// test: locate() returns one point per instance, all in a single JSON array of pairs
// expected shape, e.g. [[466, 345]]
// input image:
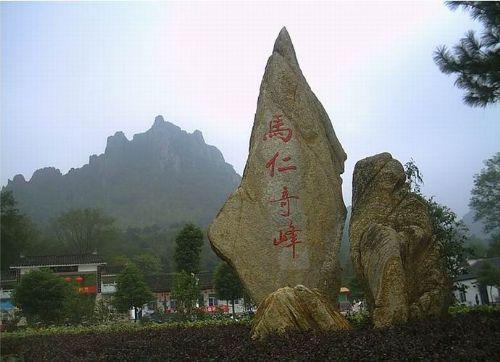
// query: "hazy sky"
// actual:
[[74, 73]]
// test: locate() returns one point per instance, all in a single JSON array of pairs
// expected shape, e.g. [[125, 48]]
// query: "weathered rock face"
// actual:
[[393, 250], [282, 226], [296, 309]]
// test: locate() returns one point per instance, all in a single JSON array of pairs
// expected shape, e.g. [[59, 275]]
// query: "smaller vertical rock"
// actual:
[[393, 248]]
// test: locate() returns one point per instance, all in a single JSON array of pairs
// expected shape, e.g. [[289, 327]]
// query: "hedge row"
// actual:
[[117, 327], [472, 336]]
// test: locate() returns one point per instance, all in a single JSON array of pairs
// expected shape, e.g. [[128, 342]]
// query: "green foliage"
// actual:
[[489, 274], [485, 198], [103, 313], [148, 263], [17, 231], [186, 292], [84, 230], [117, 327], [413, 176], [465, 309], [79, 308], [43, 297], [227, 283], [450, 232], [476, 248], [153, 239], [475, 61], [494, 248], [360, 320], [132, 291], [187, 250]]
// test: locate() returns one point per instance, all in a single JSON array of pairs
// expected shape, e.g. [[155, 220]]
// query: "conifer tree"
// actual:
[[476, 61]]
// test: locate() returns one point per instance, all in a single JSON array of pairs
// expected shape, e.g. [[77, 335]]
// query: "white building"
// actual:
[[474, 293]]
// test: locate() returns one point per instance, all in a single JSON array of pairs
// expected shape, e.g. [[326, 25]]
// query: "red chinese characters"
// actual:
[[289, 234], [271, 165], [289, 237], [276, 129], [284, 202]]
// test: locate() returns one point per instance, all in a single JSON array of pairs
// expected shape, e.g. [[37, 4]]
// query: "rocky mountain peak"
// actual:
[[199, 136], [162, 176], [159, 121], [18, 180], [46, 174], [118, 140]]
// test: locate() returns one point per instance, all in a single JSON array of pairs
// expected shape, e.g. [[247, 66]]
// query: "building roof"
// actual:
[[58, 260], [475, 266]]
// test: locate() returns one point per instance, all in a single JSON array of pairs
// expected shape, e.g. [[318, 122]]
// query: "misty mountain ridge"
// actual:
[[163, 176], [476, 228]]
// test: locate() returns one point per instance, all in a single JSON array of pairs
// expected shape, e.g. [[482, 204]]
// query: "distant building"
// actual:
[[343, 300], [475, 293], [162, 285], [84, 270]]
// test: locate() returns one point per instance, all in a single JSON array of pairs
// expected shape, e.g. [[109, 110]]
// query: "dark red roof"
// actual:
[[52, 260]]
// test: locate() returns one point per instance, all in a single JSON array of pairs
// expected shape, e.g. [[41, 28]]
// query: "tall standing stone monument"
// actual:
[[282, 226]]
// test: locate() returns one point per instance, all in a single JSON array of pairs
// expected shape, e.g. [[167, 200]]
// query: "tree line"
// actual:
[[82, 231], [85, 230], [45, 298]]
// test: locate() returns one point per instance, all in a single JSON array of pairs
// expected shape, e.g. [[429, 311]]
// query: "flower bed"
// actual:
[[471, 336]]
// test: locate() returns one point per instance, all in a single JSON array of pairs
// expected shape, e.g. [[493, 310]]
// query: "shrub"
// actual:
[[361, 319], [483, 309], [43, 297], [463, 337]]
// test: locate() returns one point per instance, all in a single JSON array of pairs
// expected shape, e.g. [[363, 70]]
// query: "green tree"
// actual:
[[78, 307], [476, 247], [131, 289], [148, 263], [413, 176], [494, 247], [187, 249], [17, 231], [475, 61], [154, 240], [450, 232], [489, 275], [186, 292], [85, 230], [43, 297], [227, 283], [485, 198]]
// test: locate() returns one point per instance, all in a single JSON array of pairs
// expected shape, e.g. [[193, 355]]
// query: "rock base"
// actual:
[[296, 309]]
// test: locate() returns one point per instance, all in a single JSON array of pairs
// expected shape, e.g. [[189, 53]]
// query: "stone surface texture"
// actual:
[[283, 225], [296, 309], [394, 252]]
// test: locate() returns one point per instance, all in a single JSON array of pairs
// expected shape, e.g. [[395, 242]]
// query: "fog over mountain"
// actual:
[[476, 228], [163, 176]]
